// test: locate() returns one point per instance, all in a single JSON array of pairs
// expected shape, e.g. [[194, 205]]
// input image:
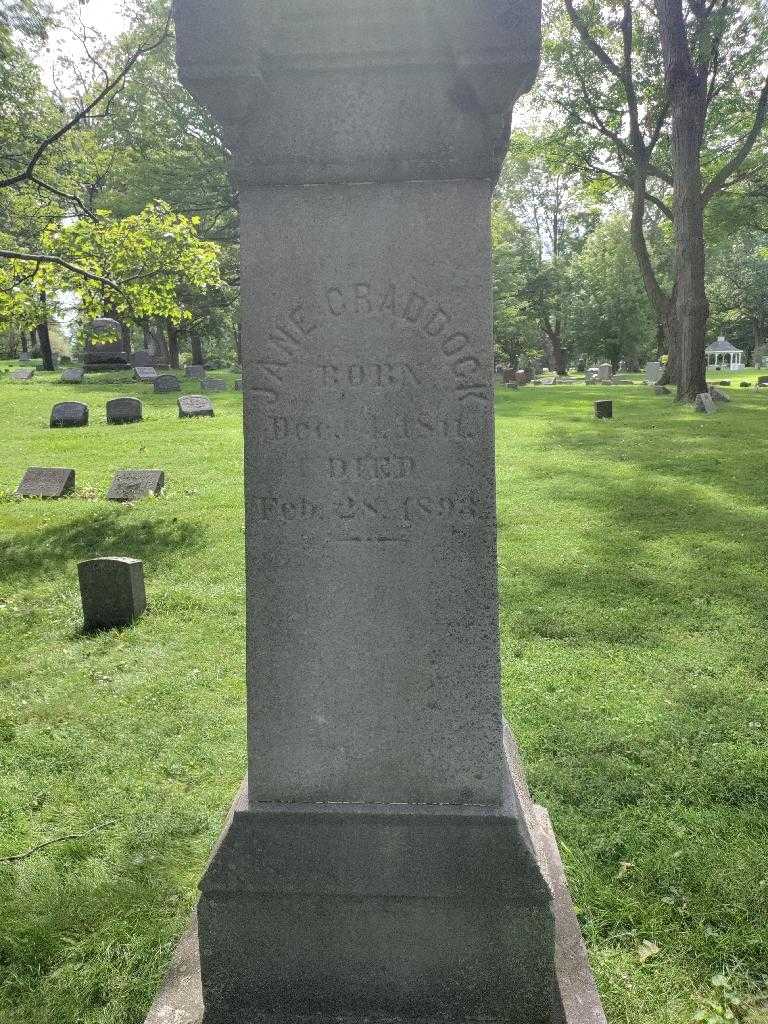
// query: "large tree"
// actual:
[[668, 100]]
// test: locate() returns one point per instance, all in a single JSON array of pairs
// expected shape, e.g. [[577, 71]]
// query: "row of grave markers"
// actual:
[[127, 485], [121, 411]]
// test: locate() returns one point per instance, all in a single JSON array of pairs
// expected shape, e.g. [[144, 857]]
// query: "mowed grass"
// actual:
[[634, 621]]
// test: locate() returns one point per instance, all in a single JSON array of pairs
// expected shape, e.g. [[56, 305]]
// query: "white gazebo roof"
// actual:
[[721, 345]]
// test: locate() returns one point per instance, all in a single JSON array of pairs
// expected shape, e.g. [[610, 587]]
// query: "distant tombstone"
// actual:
[[660, 390], [124, 410], [718, 395], [238, 385], [145, 374], [604, 410], [604, 372], [724, 383], [704, 403], [653, 372], [213, 384], [195, 370], [135, 484], [46, 483], [112, 592], [165, 383], [22, 375], [592, 375], [622, 366], [142, 358], [509, 375], [74, 375], [69, 414], [745, 384], [523, 377], [762, 382], [25, 357], [104, 347], [194, 405]]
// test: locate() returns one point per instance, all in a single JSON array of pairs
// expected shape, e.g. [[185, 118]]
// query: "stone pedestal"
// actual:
[[383, 862]]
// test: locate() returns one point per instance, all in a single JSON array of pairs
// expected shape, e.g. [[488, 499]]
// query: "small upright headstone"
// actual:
[[704, 403], [22, 375], [653, 372], [745, 384], [142, 358], [145, 374], [124, 410], [604, 372], [112, 591], [213, 384], [194, 405], [69, 414], [74, 375], [46, 483], [196, 371], [135, 484], [523, 377], [165, 383], [604, 410], [718, 395]]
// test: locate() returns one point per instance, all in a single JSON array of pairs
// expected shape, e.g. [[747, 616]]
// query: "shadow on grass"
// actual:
[[108, 534]]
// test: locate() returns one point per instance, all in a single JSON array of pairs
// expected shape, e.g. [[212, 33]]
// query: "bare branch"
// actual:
[[40, 258], [51, 842], [591, 43]]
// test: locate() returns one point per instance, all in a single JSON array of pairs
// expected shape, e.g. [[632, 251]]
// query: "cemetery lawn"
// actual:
[[634, 620]]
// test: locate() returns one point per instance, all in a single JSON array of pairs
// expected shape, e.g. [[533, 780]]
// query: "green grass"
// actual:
[[634, 621]]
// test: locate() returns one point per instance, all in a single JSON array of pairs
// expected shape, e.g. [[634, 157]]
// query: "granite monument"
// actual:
[[69, 414], [46, 483], [385, 859], [112, 592]]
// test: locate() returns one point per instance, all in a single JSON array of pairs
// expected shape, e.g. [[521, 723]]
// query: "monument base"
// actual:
[[576, 1000]]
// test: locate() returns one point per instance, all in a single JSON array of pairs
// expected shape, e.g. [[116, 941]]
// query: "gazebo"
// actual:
[[722, 355]]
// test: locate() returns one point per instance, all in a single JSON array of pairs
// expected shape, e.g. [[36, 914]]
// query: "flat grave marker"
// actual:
[[166, 383], [213, 384], [135, 484], [124, 410], [69, 414], [195, 370], [73, 375], [22, 376], [46, 483], [191, 406], [145, 374]]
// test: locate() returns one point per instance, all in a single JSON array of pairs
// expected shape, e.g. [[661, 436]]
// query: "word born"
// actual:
[[371, 375]]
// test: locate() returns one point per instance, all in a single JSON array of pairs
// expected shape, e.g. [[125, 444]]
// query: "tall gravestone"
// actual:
[[386, 860]]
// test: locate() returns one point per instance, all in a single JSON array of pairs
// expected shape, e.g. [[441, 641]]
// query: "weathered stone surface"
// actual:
[[124, 410], [112, 591], [213, 384], [653, 372], [592, 375], [180, 1000], [73, 375], [194, 405], [604, 410], [167, 382], [146, 374], [142, 358], [604, 372], [22, 375], [660, 390], [704, 403], [46, 483], [69, 414], [24, 358], [718, 395], [396, 872], [195, 370], [135, 484]]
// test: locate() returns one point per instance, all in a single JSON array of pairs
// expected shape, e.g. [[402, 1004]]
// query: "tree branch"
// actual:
[[40, 258], [720, 179], [51, 842], [591, 43]]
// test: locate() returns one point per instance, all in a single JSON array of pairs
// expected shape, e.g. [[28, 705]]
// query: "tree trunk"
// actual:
[[173, 345], [125, 332], [198, 356], [687, 91], [239, 344], [44, 337], [24, 339]]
